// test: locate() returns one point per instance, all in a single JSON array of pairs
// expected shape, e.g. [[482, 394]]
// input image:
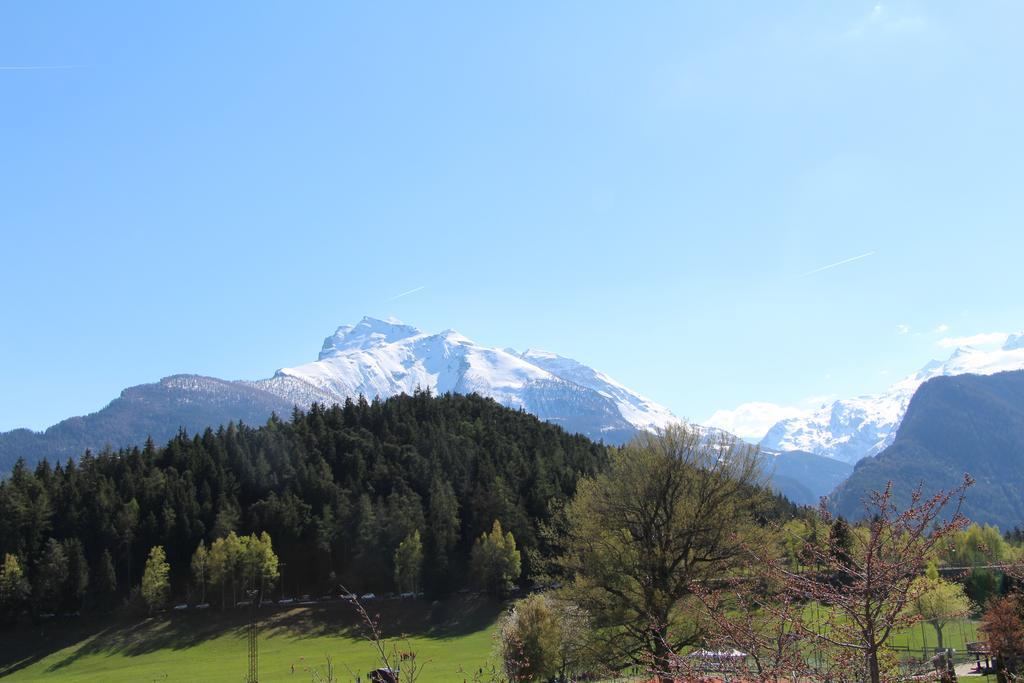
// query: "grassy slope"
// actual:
[[213, 647]]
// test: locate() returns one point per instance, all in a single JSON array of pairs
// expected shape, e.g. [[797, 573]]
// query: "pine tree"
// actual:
[[442, 529], [103, 582], [77, 581], [51, 572]]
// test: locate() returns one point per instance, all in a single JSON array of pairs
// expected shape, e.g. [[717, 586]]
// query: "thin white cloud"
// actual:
[[882, 19], [983, 339], [902, 329], [752, 420], [411, 291], [941, 329], [839, 263]]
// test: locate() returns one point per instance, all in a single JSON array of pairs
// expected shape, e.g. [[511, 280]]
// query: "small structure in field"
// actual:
[[384, 676], [980, 649], [719, 661]]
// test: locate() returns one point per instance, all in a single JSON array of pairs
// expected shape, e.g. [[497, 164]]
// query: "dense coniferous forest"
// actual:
[[337, 489]]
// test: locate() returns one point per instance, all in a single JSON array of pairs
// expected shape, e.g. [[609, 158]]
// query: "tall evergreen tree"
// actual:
[[50, 574]]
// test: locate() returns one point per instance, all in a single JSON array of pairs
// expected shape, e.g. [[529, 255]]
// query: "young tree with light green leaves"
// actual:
[[258, 565], [244, 562], [223, 561], [938, 602], [495, 561], [544, 638], [14, 585], [200, 566], [409, 564], [156, 585]]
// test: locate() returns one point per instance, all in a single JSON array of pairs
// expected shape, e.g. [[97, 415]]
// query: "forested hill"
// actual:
[[337, 489], [158, 410], [953, 425]]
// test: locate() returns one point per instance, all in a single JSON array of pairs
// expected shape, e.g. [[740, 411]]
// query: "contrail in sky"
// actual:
[[41, 68], [411, 291], [838, 263]]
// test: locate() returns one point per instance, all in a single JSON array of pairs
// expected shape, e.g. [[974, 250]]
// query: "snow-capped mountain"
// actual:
[[381, 358], [855, 428]]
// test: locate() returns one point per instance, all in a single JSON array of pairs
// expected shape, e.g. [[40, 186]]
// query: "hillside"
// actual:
[[157, 410], [373, 358], [804, 477], [337, 489], [953, 425], [853, 428]]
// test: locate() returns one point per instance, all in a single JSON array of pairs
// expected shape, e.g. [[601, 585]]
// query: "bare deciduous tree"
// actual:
[[867, 587]]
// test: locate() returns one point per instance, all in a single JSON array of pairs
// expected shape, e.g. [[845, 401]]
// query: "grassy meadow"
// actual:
[[213, 647], [449, 637]]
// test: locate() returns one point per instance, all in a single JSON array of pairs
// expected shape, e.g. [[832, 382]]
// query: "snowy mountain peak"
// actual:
[[855, 428], [366, 333], [537, 353], [1014, 342], [961, 351], [381, 358]]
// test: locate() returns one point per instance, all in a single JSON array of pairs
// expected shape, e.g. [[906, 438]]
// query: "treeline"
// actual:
[[337, 489]]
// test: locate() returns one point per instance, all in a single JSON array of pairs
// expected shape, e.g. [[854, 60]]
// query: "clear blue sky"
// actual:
[[215, 187]]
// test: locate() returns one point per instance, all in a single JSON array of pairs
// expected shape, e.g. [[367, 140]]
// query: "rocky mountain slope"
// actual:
[[155, 410], [373, 358], [953, 425], [856, 428]]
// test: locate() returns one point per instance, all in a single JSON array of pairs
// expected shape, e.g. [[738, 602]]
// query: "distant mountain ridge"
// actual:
[[856, 428], [156, 410], [373, 358], [386, 357], [953, 425], [804, 478]]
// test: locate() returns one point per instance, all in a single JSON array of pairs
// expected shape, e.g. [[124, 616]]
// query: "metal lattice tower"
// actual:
[[254, 651]]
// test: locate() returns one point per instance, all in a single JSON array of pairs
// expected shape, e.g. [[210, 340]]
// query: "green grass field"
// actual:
[[213, 647], [210, 646], [955, 634]]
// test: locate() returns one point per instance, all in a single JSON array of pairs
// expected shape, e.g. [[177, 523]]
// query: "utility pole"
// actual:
[[254, 652]]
